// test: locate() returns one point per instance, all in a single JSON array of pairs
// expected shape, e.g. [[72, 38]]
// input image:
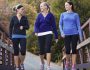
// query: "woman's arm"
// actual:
[[79, 27], [36, 25], [11, 28], [27, 24], [53, 23], [61, 25]]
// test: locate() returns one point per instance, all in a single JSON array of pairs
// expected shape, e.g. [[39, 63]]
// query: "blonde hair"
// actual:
[[46, 4]]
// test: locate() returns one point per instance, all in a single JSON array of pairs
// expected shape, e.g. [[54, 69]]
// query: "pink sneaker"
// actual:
[[73, 67], [41, 66], [67, 66]]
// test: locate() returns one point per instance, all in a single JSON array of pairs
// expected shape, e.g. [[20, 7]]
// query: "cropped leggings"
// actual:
[[71, 43], [19, 45], [45, 43]]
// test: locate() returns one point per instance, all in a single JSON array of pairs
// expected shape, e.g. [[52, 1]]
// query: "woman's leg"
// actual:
[[16, 60], [22, 58], [73, 59], [75, 39], [42, 59], [22, 49], [48, 43], [23, 52], [41, 42], [67, 41], [48, 56], [16, 52]]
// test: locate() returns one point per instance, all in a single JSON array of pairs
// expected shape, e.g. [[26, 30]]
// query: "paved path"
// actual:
[[32, 62]]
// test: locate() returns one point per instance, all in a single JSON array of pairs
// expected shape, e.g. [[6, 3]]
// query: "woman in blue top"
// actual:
[[71, 31], [45, 26], [18, 26]]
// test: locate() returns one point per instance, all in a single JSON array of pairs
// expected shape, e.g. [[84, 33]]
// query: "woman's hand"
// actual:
[[81, 39], [62, 35], [21, 27], [36, 34], [56, 40]]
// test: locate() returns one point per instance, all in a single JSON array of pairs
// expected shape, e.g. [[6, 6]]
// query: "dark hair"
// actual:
[[17, 7], [20, 6], [71, 3]]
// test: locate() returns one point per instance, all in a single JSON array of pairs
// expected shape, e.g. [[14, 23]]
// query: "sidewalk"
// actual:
[[32, 62]]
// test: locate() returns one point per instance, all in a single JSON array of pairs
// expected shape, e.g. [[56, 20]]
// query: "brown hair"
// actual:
[[71, 3], [17, 7]]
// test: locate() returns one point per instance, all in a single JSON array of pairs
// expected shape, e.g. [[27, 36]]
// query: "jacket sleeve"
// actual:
[[36, 25], [26, 26], [53, 24], [79, 27], [11, 28], [61, 24]]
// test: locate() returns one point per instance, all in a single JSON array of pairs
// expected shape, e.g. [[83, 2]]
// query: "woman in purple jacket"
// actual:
[[45, 26]]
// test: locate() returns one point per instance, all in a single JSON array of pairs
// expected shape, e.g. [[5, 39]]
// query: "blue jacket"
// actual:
[[44, 24]]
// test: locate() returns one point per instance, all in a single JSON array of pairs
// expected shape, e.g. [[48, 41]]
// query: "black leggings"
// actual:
[[19, 42], [71, 43], [45, 43]]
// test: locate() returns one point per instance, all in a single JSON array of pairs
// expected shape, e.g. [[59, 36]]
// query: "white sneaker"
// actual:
[[41, 66], [17, 69], [22, 66], [48, 68]]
